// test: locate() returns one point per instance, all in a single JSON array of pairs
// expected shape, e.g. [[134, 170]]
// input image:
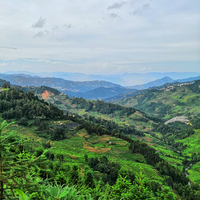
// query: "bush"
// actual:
[[24, 121]]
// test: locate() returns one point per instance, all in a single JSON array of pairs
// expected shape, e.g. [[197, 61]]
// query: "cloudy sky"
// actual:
[[100, 36]]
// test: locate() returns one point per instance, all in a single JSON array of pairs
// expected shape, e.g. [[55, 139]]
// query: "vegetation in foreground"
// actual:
[[108, 177]]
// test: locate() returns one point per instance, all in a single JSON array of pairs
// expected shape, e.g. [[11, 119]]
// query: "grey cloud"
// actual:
[[114, 15], [116, 6], [145, 6], [55, 28], [67, 25], [136, 12], [3, 47], [140, 10], [40, 23], [41, 34], [61, 28]]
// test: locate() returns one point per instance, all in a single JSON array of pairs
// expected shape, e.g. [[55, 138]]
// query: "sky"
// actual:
[[100, 36]]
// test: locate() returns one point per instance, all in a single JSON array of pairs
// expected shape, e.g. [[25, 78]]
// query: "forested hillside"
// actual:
[[75, 146], [120, 114], [167, 102], [2, 82], [16, 104]]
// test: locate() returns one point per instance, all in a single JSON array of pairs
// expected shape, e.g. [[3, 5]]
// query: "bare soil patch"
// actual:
[[87, 146]]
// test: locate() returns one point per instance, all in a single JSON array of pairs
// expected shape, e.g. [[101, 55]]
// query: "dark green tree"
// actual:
[[24, 121], [89, 178], [74, 177]]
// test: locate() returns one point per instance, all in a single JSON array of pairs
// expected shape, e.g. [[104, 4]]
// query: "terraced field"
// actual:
[[81, 143], [192, 142]]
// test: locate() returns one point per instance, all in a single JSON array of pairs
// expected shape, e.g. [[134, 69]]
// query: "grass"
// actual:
[[167, 117], [80, 144], [192, 142], [194, 173]]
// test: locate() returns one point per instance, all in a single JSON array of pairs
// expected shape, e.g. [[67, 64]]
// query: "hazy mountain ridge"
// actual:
[[88, 89], [101, 93], [58, 83], [155, 83], [126, 79]]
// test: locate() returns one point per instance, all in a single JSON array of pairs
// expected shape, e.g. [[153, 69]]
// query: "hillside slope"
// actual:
[[119, 114], [83, 140], [169, 102]]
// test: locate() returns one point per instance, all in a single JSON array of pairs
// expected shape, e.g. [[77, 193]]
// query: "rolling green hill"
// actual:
[[123, 96], [167, 102], [108, 111], [98, 148]]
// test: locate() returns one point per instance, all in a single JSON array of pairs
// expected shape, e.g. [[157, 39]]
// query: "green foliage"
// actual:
[[74, 177], [15, 168], [4, 84], [24, 121], [109, 169], [148, 152], [122, 186], [39, 151], [113, 182], [182, 100], [58, 134], [89, 179], [15, 104]]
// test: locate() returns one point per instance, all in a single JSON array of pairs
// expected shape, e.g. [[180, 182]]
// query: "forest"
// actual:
[[41, 173]]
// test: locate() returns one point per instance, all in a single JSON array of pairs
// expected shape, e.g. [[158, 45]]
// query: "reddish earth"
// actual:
[[45, 95]]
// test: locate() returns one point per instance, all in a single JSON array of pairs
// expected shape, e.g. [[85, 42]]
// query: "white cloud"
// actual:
[[3, 64], [86, 33]]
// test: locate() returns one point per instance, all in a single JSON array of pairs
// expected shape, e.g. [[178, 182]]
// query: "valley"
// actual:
[[89, 129], [99, 100]]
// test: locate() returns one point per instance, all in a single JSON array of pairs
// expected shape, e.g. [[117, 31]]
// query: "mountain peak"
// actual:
[[167, 78]]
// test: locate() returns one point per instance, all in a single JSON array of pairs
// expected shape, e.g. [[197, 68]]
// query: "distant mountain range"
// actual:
[[101, 93], [58, 83], [96, 89], [157, 82], [126, 79]]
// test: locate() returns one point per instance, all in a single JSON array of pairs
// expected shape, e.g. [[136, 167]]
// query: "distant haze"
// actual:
[[100, 37], [126, 79]]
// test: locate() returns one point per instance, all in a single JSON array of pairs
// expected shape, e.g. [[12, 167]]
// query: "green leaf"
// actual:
[[63, 194], [54, 191], [22, 195]]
